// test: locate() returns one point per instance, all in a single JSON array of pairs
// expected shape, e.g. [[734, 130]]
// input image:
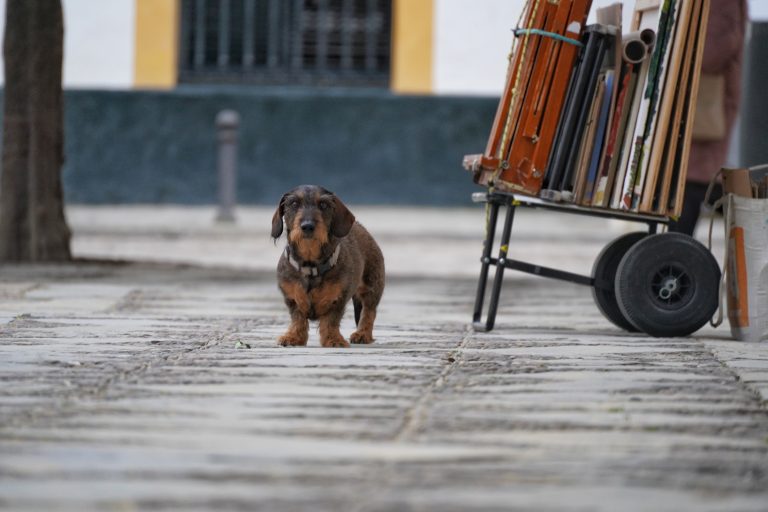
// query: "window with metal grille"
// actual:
[[310, 42]]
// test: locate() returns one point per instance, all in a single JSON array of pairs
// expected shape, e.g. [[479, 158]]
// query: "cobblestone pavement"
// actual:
[[122, 387]]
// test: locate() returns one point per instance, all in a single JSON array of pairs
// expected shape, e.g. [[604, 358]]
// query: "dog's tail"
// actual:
[[358, 307]]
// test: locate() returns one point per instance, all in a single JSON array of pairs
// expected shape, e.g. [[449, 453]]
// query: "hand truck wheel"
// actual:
[[604, 274], [667, 285]]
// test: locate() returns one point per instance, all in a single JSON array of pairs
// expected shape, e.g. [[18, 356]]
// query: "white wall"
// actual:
[[98, 43], [758, 10], [472, 41]]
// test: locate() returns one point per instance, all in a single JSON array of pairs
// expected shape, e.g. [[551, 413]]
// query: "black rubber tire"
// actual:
[[667, 285], [604, 270]]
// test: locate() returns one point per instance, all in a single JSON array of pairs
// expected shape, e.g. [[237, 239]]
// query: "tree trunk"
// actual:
[[32, 223], [14, 223]]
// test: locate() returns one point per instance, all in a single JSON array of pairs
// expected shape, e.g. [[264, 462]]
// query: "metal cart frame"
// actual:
[[495, 201]]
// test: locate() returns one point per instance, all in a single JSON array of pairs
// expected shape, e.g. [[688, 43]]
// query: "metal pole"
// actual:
[[227, 124], [754, 122]]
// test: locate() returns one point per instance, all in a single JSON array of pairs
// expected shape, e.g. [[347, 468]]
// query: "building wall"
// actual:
[[412, 51], [453, 47], [472, 42], [156, 43], [133, 135], [367, 145], [98, 43]]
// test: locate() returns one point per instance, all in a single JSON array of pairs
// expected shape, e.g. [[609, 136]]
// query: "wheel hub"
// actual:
[[670, 284], [668, 288]]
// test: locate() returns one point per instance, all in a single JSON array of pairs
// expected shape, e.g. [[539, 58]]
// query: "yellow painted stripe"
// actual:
[[412, 29], [156, 43]]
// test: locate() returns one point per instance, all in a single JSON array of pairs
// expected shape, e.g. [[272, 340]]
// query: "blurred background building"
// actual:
[[376, 99]]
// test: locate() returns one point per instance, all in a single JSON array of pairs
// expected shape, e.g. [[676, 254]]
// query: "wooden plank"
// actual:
[[564, 158], [636, 168], [611, 16], [676, 204], [554, 104], [509, 95], [524, 137], [600, 137], [633, 107], [646, 5], [641, 7], [648, 20], [668, 73], [530, 145], [531, 44], [670, 151], [620, 115], [671, 110], [587, 142]]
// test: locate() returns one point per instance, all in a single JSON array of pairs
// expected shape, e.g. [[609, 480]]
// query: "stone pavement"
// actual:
[[122, 387]]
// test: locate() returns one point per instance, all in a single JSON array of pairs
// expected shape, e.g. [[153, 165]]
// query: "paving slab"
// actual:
[[122, 387]]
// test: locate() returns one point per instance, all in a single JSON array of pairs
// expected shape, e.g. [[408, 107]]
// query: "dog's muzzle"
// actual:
[[307, 228]]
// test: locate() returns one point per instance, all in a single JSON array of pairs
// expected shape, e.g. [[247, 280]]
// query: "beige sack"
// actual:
[[747, 267]]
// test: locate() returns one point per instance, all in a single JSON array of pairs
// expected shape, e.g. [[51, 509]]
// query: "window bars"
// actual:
[[307, 42]]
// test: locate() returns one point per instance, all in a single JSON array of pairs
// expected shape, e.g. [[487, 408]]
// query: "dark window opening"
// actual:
[[309, 42]]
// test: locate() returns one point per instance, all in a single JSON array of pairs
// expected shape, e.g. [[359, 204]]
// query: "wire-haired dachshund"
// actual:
[[329, 258]]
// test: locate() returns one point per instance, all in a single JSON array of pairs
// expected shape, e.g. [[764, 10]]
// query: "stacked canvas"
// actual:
[[623, 129], [537, 79]]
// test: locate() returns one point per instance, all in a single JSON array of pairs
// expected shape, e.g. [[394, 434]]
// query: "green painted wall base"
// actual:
[[370, 147]]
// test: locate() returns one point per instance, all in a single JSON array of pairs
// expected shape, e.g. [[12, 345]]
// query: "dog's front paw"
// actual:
[[361, 337], [291, 340], [334, 342]]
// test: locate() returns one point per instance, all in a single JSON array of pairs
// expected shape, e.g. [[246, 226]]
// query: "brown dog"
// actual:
[[329, 259]]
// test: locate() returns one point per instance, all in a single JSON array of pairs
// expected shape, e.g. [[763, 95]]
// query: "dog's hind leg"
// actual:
[[368, 299], [369, 291], [358, 306]]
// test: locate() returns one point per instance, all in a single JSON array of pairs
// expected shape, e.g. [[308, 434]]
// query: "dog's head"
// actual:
[[313, 215]]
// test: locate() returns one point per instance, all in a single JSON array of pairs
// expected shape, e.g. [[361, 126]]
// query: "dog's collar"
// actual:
[[313, 270]]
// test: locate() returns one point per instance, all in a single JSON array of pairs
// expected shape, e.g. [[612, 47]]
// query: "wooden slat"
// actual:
[[677, 203], [670, 152], [661, 127], [541, 69]]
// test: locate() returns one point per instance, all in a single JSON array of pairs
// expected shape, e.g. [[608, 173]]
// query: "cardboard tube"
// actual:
[[737, 181], [637, 46], [634, 49], [648, 35]]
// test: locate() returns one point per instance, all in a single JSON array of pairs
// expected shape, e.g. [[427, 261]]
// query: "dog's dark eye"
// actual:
[[293, 204], [324, 205]]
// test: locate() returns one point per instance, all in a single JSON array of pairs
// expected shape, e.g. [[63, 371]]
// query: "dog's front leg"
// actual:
[[330, 336], [297, 333], [298, 306]]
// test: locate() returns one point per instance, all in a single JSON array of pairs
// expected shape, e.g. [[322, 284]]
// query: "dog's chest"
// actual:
[[317, 301]]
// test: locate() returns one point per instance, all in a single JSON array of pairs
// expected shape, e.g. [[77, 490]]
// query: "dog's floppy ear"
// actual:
[[342, 219], [277, 218]]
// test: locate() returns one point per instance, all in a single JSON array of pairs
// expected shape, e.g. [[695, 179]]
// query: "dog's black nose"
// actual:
[[308, 227]]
